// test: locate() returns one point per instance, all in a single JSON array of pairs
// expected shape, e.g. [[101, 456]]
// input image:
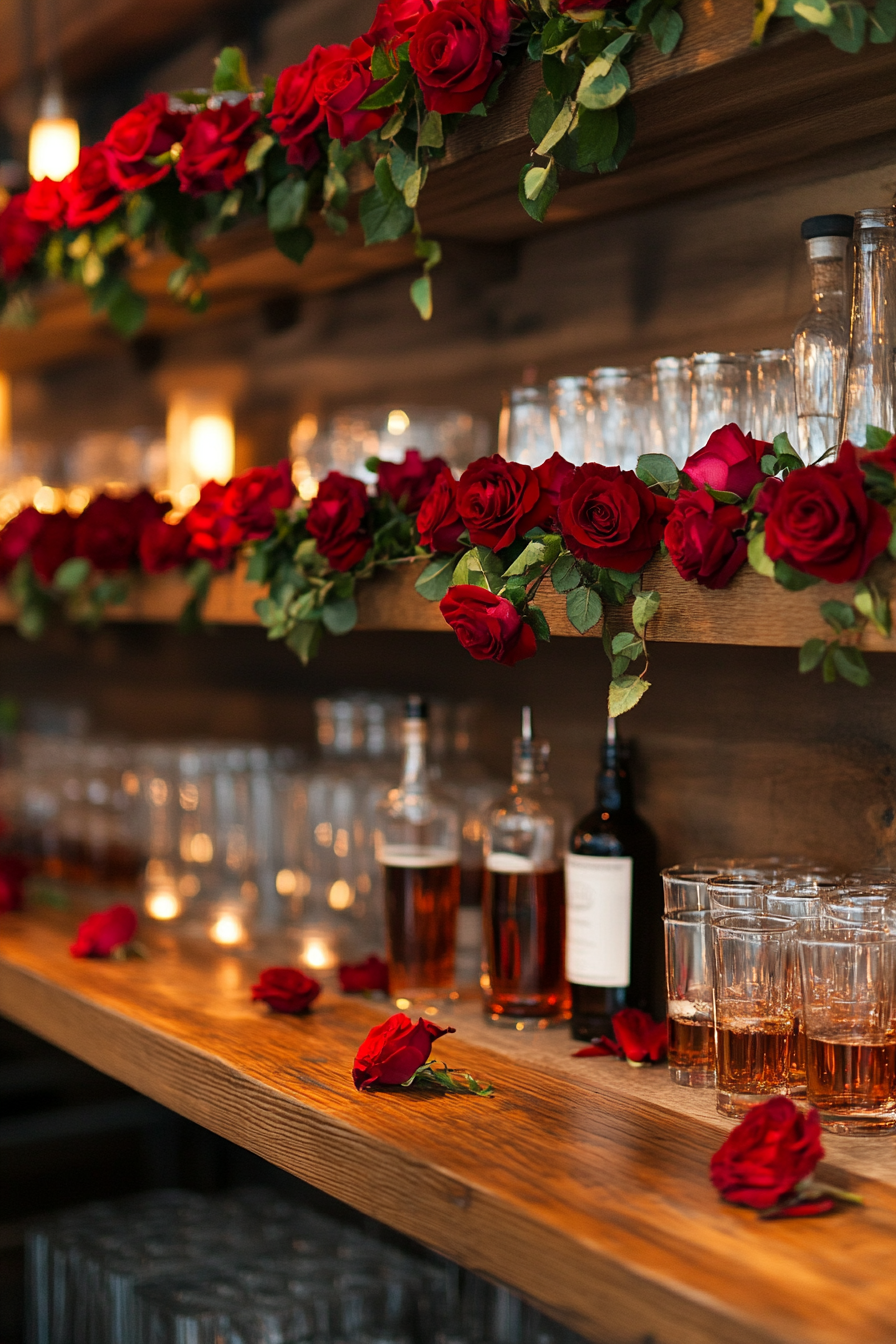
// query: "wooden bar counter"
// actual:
[[582, 1183]]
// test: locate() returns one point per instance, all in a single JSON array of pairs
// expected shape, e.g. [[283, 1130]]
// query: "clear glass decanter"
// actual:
[[821, 339], [871, 373]]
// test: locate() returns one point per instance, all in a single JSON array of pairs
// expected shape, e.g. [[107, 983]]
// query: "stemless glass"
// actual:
[[773, 394], [526, 426], [684, 887], [718, 394], [803, 904], [849, 982], [619, 416], [671, 378], [731, 892], [754, 962], [692, 1054], [572, 418], [857, 907]]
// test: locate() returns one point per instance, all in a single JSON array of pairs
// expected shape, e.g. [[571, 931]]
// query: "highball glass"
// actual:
[[672, 405], [692, 1054], [572, 418], [773, 395]]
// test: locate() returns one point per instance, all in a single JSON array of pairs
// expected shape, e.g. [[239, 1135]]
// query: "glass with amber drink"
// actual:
[[754, 957], [848, 973], [804, 904], [691, 1050]]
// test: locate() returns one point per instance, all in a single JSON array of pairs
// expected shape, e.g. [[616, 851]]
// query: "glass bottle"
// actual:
[[614, 935], [821, 339], [417, 841], [523, 909], [870, 374]]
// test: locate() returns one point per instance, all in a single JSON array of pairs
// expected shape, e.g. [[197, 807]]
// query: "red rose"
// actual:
[[296, 115], [343, 82], [410, 481], [53, 545], [163, 545], [489, 627], [13, 872], [609, 517], [572, 6], [44, 203], [100, 934], [773, 1148], [337, 520], [552, 475], [705, 539], [639, 1036], [395, 21], [18, 537], [141, 135], [108, 531], [729, 461], [453, 52], [439, 524], [821, 522], [19, 237], [251, 498], [392, 1053], [880, 457], [495, 497], [286, 989], [214, 535], [366, 975], [89, 192], [214, 149]]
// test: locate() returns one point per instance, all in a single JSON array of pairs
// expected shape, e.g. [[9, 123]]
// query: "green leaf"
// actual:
[[847, 33], [792, 579], [876, 438], [340, 617], [811, 654], [722, 496], [584, 608], [658, 469], [626, 645], [625, 692], [597, 133], [392, 90], [558, 128], [539, 623], [435, 580], [257, 152], [603, 84], [304, 640], [71, 574], [431, 134], [384, 214], [537, 206], [231, 72], [875, 607], [769, 464], [818, 12], [644, 608], [126, 310], [295, 243], [757, 556], [421, 296], [287, 204], [838, 615], [534, 554], [784, 448], [829, 667], [851, 665], [666, 28], [883, 21], [565, 574], [381, 64]]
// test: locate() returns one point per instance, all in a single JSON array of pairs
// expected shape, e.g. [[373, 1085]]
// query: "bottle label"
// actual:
[[598, 921]]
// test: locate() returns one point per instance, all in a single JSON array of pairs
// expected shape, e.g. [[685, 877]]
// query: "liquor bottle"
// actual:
[[821, 339], [870, 371], [418, 845], [614, 947], [523, 911]]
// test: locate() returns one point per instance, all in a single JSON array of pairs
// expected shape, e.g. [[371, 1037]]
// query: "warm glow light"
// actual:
[[397, 423], [285, 882], [187, 497], [48, 500], [162, 905], [340, 895], [318, 954], [308, 488], [227, 930], [77, 499], [201, 848], [53, 147], [211, 447], [304, 432], [402, 1003]]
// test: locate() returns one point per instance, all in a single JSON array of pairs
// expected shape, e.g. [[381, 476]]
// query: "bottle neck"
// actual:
[[530, 761], [413, 770], [614, 793], [828, 285]]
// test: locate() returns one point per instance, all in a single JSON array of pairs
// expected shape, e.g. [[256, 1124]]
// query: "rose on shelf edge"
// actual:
[[296, 114], [342, 83], [729, 461], [766, 1163], [214, 148], [495, 498], [705, 539], [409, 483], [20, 237], [363, 977], [136, 141], [396, 1054], [251, 498], [609, 517], [339, 520], [104, 932], [489, 627], [639, 1039], [285, 989], [454, 52], [439, 524]]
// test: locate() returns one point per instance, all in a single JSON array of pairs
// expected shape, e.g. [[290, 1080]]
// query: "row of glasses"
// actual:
[[616, 414]]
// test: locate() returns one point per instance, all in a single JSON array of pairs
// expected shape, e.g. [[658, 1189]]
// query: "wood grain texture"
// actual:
[[592, 1201]]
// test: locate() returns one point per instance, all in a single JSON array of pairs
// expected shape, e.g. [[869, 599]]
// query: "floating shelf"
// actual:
[[752, 610], [582, 1183]]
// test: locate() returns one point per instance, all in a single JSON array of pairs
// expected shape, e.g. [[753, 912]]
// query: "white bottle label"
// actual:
[[598, 921]]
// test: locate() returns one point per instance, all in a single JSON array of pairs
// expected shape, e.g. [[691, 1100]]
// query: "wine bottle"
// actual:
[[613, 905]]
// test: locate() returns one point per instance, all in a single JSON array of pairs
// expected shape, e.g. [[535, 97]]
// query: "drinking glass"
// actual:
[[719, 394], [773, 395], [857, 907], [684, 887], [731, 892], [692, 1054], [526, 434], [621, 416], [754, 962], [672, 405], [848, 982], [572, 418], [804, 904]]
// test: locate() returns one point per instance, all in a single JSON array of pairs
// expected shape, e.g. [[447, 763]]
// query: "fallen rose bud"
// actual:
[[285, 989], [100, 934], [641, 1038], [773, 1148], [363, 976], [392, 1052]]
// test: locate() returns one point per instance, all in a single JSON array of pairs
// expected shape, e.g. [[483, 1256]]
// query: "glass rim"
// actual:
[[683, 872], [751, 920], [687, 917], [818, 934], [735, 883], [671, 363]]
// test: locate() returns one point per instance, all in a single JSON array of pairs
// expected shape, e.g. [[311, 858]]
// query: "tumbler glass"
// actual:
[[754, 963], [849, 985], [731, 892], [718, 394], [684, 887], [621, 416], [804, 904], [572, 418], [856, 907], [773, 396], [692, 1054], [672, 405], [525, 432]]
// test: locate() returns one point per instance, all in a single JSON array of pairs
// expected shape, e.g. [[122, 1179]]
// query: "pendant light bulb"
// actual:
[[55, 142]]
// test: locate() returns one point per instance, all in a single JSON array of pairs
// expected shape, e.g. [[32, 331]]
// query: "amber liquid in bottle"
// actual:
[[421, 923], [525, 919], [691, 1044], [850, 1076], [754, 1060]]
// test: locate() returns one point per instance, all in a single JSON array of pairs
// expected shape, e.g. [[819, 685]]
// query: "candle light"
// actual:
[[318, 952], [163, 904], [227, 929], [54, 144]]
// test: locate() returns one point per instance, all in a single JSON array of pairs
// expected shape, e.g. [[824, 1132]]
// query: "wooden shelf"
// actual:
[[716, 111], [752, 611], [582, 1183]]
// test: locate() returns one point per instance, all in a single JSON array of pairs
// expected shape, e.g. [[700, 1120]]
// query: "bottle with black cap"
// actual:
[[417, 838], [821, 339]]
